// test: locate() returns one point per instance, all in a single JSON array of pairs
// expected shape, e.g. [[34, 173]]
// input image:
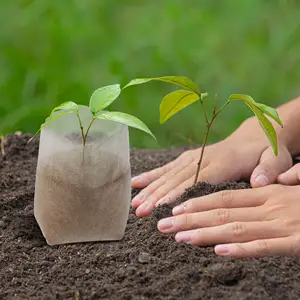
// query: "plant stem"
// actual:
[[2, 145], [81, 129], [224, 105], [88, 130], [205, 114], [202, 150], [209, 124]]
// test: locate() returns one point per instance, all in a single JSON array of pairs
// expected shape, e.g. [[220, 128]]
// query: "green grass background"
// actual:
[[53, 51]]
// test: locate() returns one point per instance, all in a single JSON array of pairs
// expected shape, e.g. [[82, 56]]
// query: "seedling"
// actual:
[[177, 100], [100, 99], [84, 202]]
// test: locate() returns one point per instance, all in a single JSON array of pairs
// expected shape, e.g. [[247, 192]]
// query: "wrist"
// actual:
[[249, 131]]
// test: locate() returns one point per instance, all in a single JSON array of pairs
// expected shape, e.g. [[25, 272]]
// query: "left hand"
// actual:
[[241, 223]]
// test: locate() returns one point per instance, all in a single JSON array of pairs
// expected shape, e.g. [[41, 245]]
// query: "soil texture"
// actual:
[[143, 265]]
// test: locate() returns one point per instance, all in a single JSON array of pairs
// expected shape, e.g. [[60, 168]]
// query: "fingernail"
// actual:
[[183, 237], [177, 210], [261, 180], [222, 250], [165, 223], [136, 178], [143, 209], [164, 200]]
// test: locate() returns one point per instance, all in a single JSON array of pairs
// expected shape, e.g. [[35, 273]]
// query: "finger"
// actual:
[[145, 179], [176, 192], [230, 233], [290, 177], [173, 173], [207, 174], [159, 189], [209, 218], [223, 199], [270, 166], [217, 172], [284, 246], [178, 174]]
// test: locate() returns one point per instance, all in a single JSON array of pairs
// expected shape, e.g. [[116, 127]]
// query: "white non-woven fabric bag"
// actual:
[[82, 193]]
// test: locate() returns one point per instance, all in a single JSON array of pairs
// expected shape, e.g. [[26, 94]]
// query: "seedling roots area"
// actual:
[[144, 265]]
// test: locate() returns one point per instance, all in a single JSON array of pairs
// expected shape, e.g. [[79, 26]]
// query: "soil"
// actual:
[[144, 265]]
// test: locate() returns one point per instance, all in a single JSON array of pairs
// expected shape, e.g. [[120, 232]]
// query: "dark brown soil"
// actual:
[[144, 265]]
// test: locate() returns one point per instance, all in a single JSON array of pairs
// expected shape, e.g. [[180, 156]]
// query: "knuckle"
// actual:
[[161, 191], [273, 211], [262, 247], [163, 169], [222, 216], [226, 198], [184, 221], [238, 229]]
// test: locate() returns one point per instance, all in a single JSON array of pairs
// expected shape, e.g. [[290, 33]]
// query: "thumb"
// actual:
[[270, 166]]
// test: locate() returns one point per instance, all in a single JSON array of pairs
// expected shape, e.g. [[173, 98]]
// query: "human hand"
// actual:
[[242, 223], [239, 157], [291, 176]]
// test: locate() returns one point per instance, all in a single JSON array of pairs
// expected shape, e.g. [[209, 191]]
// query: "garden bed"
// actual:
[[144, 265]]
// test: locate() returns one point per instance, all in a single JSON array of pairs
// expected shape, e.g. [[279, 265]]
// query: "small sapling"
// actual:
[[177, 100], [100, 99]]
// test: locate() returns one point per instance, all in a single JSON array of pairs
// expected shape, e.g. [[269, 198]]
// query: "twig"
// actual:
[[215, 103], [2, 139], [202, 151], [205, 114]]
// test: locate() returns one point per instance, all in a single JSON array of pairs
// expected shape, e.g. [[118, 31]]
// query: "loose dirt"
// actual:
[[144, 265]]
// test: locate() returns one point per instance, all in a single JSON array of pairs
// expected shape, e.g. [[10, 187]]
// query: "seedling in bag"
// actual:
[[83, 178], [177, 100]]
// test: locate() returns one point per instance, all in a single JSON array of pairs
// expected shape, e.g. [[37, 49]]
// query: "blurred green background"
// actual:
[[53, 51]]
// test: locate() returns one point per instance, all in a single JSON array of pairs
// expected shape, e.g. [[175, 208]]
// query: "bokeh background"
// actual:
[[53, 51]]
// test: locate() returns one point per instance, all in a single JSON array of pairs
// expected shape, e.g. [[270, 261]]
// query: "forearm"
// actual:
[[289, 135], [289, 114]]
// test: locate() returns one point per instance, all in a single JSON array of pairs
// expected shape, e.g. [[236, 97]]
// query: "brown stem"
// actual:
[[202, 151], [215, 104], [205, 114], [2, 145], [209, 124]]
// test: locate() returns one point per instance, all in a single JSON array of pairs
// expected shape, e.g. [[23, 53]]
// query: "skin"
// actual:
[[244, 223]]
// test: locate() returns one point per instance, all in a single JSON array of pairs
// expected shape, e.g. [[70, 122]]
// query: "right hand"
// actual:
[[244, 155]]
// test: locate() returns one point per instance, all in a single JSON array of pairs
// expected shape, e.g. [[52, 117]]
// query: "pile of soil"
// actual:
[[144, 265]]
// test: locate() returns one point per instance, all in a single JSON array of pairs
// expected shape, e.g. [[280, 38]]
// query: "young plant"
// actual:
[[177, 100], [100, 99]]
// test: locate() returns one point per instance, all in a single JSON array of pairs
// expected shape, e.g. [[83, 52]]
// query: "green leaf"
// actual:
[[103, 97], [263, 121], [68, 107], [175, 102], [269, 111], [178, 80], [65, 108], [125, 119], [53, 116]]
